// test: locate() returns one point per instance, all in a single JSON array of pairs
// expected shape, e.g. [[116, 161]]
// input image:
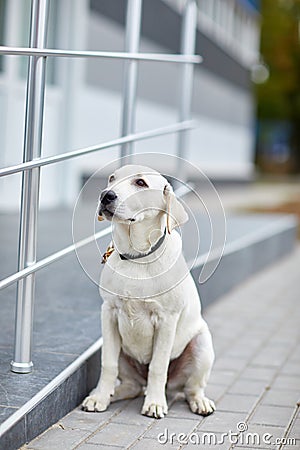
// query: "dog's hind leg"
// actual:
[[126, 390], [200, 367], [131, 383]]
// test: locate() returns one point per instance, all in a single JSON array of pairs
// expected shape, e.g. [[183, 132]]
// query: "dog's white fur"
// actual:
[[151, 313]]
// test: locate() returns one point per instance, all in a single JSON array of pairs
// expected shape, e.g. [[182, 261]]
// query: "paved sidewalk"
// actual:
[[262, 194], [255, 381]]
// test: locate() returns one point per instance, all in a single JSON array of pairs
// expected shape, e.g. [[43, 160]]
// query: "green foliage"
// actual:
[[279, 97]]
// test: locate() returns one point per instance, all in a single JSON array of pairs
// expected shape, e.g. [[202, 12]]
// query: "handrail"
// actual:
[[179, 192], [159, 57], [52, 258], [32, 162], [39, 162]]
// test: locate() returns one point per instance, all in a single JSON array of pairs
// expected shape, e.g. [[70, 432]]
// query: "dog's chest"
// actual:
[[137, 320]]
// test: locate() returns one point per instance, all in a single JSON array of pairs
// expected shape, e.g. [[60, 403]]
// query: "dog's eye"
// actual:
[[140, 182], [111, 178]]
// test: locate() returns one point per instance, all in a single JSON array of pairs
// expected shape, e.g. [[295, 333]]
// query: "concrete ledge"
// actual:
[[247, 255]]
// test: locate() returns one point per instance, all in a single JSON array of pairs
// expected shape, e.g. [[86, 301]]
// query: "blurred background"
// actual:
[[246, 92], [83, 98], [278, 88], [246, 101]]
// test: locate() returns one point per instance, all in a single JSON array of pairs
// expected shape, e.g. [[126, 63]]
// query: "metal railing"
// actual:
[[33, 132]]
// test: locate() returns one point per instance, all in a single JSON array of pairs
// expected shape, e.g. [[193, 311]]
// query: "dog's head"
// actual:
[[135, 193]]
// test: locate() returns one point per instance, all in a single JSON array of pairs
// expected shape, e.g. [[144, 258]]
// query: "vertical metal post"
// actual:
[[132, 42], [30, 188], [188, 44]]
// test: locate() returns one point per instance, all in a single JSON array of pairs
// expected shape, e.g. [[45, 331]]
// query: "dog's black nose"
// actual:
[[107, 197]]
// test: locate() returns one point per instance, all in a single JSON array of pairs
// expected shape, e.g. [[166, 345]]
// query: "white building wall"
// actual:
[[79, 112], [223, 144]]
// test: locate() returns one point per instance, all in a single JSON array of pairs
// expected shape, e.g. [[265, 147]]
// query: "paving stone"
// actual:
[[235, 364], [98, 447], [270, 357], [132, 414], [209, 441], [180, 409], [240, 352], [154, 444], [221, 344], [295, 355], [287, 382], [248, 387], [294, 432], [222, 421], [86, 446], [83, 420], [260, 436], [244, 348], [280, 397], [117, 434], [57, 438], [272, 415], [292, 445], [291, 368], [237, 403], [222, 377], [170, 425], [215, 391], [259, 373], [239, 447]]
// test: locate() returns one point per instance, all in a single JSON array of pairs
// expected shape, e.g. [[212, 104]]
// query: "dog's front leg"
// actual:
[[99, 398], [155, 404]]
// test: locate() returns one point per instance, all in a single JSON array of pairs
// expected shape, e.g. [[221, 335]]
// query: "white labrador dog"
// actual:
[[153, 333]]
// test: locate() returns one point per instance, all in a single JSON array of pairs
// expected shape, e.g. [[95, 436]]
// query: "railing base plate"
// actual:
[[21, 367]]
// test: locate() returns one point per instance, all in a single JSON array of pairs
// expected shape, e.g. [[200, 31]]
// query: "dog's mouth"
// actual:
[[107, 213], [110, 215]]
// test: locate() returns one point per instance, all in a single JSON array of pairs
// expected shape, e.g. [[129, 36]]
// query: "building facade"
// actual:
[[83, 96]]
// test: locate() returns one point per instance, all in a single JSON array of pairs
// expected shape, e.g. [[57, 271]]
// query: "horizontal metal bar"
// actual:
[[180, 192], [52, 258], [159, 57], [83, 151]]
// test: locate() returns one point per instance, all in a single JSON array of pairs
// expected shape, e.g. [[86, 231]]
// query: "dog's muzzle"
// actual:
[[107, 198]]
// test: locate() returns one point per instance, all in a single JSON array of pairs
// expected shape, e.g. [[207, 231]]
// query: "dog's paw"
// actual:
[[157, 409], [95, 403], [201, 405]]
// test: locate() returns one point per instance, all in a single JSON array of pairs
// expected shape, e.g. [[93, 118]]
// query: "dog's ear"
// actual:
[[176, 214]]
